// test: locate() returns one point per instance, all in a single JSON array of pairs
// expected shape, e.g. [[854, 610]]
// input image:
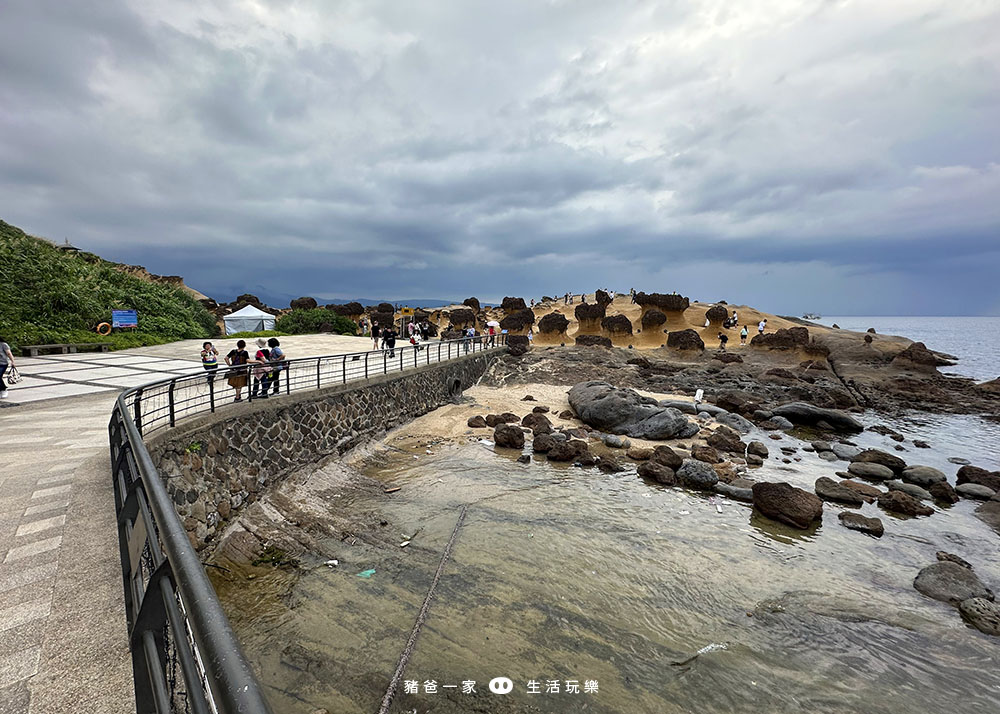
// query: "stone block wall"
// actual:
[[214, 465]]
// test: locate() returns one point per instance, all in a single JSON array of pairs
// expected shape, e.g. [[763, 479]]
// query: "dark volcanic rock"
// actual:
[[706, 454], [877, 456], [623, 411], [655, 471], [533, 419], [873, 472], [942, 491], [617, 325], [830, 490], [640, 453], [567, 450], [783, 339], [728, 357], [945, 556], [696, 474], [509, 436], [477, 422], [667, 456], [673, 303], [918, 355], [857, 522], [542, 443], [717, 313], [802, 413], [903, 503], [869, 493], [589, 311], [728, 440], [304, 303], [783, 502], [385, 307], [462, 317], [923, 475], [348, 309], [653, 318], [951, 583], [553, 322], [593, 341], [472, 303], [757, 448], [602, 298], [685, 340], [512, 304], [518, 345]]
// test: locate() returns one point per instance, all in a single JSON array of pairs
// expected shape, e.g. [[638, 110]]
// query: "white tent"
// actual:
[[249, 319]]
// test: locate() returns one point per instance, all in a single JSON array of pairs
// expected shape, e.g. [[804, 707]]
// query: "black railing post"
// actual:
[[344, 366], [385, 362], [137, 409], [317, 371], [211, 392], [366, 364], [170, 403]]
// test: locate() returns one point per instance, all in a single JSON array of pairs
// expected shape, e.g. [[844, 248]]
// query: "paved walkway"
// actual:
[[62, 623]]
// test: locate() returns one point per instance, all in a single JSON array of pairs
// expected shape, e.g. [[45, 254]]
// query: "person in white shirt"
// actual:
[[760, 327]]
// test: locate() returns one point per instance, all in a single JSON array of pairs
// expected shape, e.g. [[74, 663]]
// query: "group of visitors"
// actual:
[[734, 321], [265, 368]]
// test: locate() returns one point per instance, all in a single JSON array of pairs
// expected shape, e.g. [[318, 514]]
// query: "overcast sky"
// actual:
[[841, 157]]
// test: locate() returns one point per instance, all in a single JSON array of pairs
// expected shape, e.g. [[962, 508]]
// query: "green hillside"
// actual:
[[52, 296]]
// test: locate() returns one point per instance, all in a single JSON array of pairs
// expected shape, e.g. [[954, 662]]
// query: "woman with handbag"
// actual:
[[6, 362]]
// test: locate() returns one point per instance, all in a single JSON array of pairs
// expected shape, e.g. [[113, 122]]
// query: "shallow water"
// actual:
[[560, 573]]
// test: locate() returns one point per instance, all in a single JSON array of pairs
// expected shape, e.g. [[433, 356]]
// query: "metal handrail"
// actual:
[[174, 617]]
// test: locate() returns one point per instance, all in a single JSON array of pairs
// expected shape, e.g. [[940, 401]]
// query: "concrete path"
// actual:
[[62, 623]]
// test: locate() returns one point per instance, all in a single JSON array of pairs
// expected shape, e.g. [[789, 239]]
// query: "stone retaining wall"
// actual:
[[215, 465]]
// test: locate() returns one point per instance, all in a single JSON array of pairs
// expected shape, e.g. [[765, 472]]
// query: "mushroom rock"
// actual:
[[473, 303], [716, 314], [462, 317], [617, 325], [385, 307], [353, 310], [669, 303], [685, 340], [518, 321], [554, 322], [652, 318], [602, 298], [304, 303], [512, 304]]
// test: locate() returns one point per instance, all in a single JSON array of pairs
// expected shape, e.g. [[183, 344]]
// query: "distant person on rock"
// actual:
[[632, 293], [723, 341], [278, 359], [760, 327], [743, 335], [261, 372], [6, 362], [210, 361], [238, 377], [736, 319], [376, 332]]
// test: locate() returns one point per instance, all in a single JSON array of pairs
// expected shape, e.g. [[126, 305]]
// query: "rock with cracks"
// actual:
[[624, 411]]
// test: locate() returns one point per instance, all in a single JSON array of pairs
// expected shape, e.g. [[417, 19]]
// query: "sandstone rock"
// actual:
[[783, 502], [593, 341], [696, 474], [904, 504], [658, 472], [727, 440], [725, 470], [803, 413], [923, 475], [857, 522], [459, 318], [942, 491], [910, 488], [757, 448], [512, 304], [542, 443], [869, 493], [876, 456], [981, 613], [567, 450], [871, 471], [639, 453], [717, 313], [518, 320], [737, 493], [782, 339], [951, 583], [589, 312], [508, 436], [917, 355], [624, 411], [669, 303], [685, 340], [477, 422], [974, 474], [706, 454], [667, 456], [830, 490], [975, 490]]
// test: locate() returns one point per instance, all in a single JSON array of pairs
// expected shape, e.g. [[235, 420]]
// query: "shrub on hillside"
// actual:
[[304, 322]]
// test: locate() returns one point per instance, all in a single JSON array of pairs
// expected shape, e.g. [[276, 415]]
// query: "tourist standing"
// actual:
[[376, 331], [6, 362], [743, 335], [736, 319], [278, 359], [493, 336], [210, 361], [261, 372], [238, 357], [389, 340], [760, 326]]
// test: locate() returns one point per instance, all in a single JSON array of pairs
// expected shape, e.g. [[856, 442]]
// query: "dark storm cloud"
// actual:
[[832, 155]]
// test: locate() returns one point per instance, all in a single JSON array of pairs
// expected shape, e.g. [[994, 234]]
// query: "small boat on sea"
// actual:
[[812, 316]]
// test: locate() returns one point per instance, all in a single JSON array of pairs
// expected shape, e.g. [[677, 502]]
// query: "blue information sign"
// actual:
[[124, 318]]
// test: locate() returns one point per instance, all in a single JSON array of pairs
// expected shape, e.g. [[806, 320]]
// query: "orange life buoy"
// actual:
[[104, 328]]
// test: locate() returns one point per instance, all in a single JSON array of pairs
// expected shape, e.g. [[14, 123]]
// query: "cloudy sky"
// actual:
[[821, 155]]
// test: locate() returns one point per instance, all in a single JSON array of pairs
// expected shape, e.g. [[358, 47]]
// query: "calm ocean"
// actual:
[[974, 340]]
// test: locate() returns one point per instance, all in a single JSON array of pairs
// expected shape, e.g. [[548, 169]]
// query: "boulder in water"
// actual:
[[803, 413], [857, 522], [624, 411], [877, 456], [697, 474], [950, 582], [873, 472], [910, 488], [655, 471], [982, 613], [509, 436], [737, 493], [975, 490], [788, 504], [942, 491], [923, 475], [830, 490], [975, 474], [904, 504]]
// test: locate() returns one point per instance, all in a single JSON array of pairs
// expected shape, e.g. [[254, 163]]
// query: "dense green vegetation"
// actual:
[[304, 322], [51, 296]]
